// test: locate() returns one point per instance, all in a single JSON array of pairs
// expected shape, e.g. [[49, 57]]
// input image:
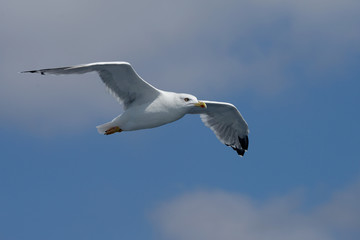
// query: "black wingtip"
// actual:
[[239, 151], [34, 71], [244, 142]]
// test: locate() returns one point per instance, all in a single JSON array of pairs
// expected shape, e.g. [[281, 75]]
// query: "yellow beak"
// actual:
[[200, 104]]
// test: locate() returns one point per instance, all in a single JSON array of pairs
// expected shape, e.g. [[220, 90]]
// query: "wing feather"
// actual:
[[119, 77], [227, 123]]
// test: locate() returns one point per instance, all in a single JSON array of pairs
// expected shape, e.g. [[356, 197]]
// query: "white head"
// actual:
[[189, 101]]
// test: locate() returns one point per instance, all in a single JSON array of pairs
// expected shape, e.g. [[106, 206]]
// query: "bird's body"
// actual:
[[148, 107], [149, 115]]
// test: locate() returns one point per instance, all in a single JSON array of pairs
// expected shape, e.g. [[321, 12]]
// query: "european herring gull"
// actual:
[[147, 107]]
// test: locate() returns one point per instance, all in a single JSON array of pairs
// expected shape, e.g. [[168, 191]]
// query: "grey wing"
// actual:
[[228, 125], [119, 77]]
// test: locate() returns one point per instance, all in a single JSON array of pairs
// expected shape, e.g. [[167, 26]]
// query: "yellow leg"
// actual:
[[113, 130]]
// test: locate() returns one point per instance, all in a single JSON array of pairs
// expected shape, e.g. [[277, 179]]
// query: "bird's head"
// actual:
[[190, 101]]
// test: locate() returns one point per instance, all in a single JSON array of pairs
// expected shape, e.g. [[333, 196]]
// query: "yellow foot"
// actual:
[[113, 130]]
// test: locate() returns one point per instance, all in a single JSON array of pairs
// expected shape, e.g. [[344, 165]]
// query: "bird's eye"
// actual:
[[186, 99]]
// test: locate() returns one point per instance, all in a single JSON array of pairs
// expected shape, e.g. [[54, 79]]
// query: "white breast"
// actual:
[[159, 112]]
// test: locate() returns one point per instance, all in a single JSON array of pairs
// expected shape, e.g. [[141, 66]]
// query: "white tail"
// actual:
[[103, 127]]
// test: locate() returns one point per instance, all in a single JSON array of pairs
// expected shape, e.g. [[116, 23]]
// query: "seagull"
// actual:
[[147, 107]]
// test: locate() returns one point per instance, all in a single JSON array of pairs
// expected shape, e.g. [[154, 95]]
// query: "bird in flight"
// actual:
[[147, 107]]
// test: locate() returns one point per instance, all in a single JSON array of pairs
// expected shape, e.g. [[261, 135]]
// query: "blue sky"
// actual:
[[291, 68]]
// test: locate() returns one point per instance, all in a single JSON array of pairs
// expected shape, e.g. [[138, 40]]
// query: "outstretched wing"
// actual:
[[227, 123], [119, 77]]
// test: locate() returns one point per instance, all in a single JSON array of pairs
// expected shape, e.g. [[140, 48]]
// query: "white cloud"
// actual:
[[203, 47], [342, 213], [214, 215]]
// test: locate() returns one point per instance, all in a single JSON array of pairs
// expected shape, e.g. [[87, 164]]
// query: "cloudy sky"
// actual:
[[291, 68]]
